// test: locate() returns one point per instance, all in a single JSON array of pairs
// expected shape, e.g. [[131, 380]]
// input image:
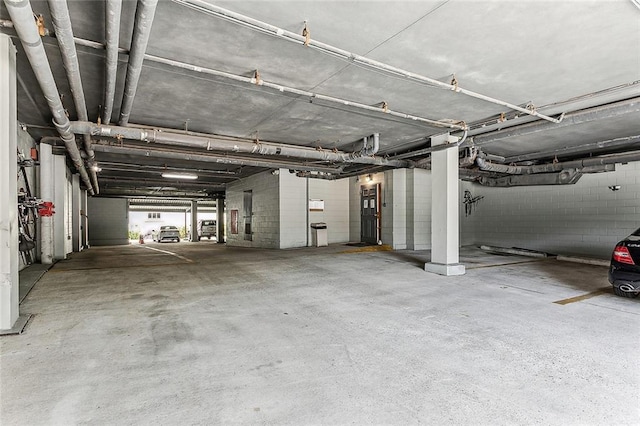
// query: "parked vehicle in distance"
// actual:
[[624, 272], [170, 233], [206, 228]]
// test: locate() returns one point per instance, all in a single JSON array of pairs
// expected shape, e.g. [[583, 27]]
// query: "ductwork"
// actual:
[[232, 145], [557, 167], [64, 34], [112, 36], [141, 31], [22, 17]]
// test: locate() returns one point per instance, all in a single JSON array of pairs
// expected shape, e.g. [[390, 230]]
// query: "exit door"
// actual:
[[369, 214]]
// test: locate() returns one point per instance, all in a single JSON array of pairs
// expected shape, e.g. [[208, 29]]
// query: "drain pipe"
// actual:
[[145, 12], [557, 167], [112, 34], [432, 148], [64, 34], [368, 150], [22, 17], [227, 144]]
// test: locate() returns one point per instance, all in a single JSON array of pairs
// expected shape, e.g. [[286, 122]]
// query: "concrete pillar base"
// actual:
[[18, 326], [445, 269]]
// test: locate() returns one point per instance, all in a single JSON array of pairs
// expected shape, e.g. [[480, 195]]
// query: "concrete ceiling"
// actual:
[[562, 57]]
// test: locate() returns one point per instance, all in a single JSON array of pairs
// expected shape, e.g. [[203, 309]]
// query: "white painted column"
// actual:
[[60, 201], [84, 224], [220, 219], [444, 210], [76, 231], [46, 194], [9, 289], [194, 221]]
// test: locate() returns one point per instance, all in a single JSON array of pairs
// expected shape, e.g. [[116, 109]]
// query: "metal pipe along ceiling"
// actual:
[[64, 34], [264, 27], [112, 34], [233, 145], [145, 12], [22, 17]]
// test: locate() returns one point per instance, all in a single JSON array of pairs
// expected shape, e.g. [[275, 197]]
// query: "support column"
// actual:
[[9, 289], [220, 219], [60, 226], [194, 221], [46, 193], [444, 211], [84, 223], [76, 232]]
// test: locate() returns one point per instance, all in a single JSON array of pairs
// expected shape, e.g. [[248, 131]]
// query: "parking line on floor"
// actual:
[[186, 259], [582, 297]]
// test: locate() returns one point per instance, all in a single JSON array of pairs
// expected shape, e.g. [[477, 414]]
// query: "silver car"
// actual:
[[170, 233]]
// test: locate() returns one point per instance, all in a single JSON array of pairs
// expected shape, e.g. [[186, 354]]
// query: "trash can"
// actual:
[[319, 234]]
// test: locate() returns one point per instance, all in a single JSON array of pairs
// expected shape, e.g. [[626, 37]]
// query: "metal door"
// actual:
[[369, 214]]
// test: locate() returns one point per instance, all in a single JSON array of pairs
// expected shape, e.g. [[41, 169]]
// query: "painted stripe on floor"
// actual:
[[580, 298], [98, 268], [366, 249], [169, 252]]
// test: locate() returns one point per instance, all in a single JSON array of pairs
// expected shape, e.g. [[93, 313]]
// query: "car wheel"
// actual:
[[624, 290], [178, 240]]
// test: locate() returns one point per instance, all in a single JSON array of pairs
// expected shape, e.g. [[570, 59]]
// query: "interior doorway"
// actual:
[[370, 214]]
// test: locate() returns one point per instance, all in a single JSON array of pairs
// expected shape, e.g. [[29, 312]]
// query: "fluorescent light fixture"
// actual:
[[179, 176]]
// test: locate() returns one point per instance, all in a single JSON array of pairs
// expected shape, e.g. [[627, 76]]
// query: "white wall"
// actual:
[[418, 209], [583, 219], [335, 194], [108, 220], [293, 213], [266, 210]]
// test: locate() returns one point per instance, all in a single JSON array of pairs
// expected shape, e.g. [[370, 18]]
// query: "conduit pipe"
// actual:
[[22, 17], [145, 12], [112, 34], [604, 112], [424, 151], [589, 147], [557, 167], [276, 88], [211, 158], [312, 96], [64, 35], [210, 9], [233, 145]]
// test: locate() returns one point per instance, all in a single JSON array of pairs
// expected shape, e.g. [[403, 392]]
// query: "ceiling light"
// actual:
[[179, 176], [96, 168]]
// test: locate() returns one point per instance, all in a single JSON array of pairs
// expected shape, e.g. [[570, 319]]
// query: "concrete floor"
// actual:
[[221, 335]]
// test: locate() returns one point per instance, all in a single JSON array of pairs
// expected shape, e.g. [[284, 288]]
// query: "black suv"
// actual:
[[624, 272]]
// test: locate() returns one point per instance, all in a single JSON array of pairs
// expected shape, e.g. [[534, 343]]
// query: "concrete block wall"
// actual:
[[293, 210], [394, 209], [418, 209], [265, 222], [582, 219], [335, 194], [108, 221]]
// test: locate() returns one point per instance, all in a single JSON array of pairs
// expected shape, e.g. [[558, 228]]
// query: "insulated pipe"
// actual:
[[431, 149], [557, 167], [272, 30], [234, 145], [145, 12], [211, 158], [64, 34], [112, 34], [22, 17]]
